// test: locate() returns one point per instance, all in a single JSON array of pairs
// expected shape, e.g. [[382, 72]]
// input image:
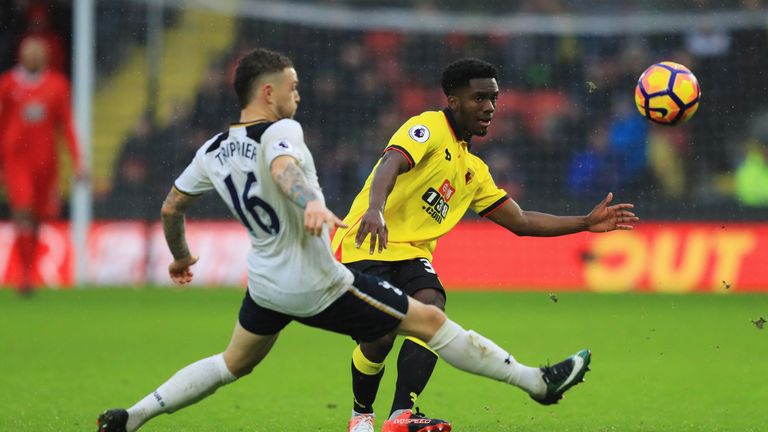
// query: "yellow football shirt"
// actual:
[[443, 182]]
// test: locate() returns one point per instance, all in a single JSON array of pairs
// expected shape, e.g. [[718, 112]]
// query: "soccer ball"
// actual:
[[667, 93]]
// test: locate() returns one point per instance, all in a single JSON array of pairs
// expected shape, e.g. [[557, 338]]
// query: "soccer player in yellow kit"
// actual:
[[421, 187]]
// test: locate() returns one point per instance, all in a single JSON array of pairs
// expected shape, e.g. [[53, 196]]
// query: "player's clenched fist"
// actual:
[[316, 215], [179, 270]]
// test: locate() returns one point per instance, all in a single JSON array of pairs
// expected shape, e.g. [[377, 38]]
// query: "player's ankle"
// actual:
[[396, 413]]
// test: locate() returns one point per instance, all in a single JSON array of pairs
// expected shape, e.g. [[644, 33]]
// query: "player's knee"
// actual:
[[433, 317], [422, 321], [431, 297], [386, 341], [377, 350]]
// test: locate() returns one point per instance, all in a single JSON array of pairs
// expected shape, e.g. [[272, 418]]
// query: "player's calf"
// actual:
[[471, 352]]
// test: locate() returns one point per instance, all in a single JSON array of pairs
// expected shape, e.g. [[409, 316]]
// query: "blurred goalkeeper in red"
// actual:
[[34, 104]]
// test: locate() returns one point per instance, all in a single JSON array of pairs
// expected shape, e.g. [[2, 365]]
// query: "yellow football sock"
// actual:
[[421, 342], [364, 365]]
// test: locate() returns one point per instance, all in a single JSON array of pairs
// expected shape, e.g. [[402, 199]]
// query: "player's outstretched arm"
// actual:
[[602, 218], [392, 164], [172, 214], [292, 181]]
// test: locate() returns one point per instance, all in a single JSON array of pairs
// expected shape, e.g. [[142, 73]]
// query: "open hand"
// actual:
[[372, 223], [605, 217]]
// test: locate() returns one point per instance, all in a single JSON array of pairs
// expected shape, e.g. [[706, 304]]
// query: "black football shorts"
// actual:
[[370, 309], [408, 275]]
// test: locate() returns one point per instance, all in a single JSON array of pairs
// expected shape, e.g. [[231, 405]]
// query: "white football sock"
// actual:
[[471, 352], [187, 386]]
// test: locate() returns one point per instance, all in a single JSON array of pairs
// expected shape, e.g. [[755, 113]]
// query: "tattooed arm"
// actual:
[[172, 214], [292, 181]]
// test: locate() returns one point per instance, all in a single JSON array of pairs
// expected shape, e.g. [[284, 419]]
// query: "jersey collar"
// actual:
[[27, 78], [246, 124], [452, 123]]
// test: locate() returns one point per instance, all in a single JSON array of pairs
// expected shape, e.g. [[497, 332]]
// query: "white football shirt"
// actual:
[[289, 270]]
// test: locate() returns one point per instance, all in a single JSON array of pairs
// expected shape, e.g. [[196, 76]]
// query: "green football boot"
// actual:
[[564, 375]]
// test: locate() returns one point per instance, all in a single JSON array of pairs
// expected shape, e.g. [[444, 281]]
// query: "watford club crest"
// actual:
[[468, 176]]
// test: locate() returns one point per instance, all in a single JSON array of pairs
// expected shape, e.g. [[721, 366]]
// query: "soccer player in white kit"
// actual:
[[264, 172]]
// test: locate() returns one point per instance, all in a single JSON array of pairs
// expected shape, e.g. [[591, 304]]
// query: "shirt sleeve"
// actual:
[[285, 137], [488, 197], [195, 180], [414, 139]]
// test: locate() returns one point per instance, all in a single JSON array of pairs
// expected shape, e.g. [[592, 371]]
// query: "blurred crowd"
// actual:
[[566, 129], [50, 20], [120, 22], [490, 7]]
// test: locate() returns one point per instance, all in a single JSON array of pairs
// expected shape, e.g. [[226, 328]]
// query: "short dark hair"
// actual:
[[457, 74], [250, 68]]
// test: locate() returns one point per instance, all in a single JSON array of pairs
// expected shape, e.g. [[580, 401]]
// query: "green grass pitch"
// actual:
[[661, 363]]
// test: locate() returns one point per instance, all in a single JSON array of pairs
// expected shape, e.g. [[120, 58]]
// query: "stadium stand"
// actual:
[[566, 129]]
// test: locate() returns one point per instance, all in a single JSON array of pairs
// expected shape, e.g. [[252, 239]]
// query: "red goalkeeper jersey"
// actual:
[[31, 108]]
